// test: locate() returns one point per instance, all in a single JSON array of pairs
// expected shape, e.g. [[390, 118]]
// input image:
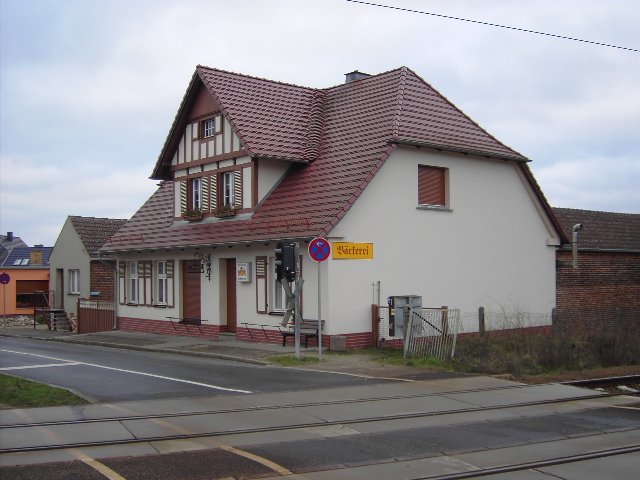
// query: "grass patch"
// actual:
[[20, 393], [394, 356]]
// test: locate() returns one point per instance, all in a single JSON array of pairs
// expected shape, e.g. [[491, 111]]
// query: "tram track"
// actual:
[[272, 429]]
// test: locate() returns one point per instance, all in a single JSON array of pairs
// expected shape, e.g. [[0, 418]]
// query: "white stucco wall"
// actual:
[[69, 253], [490, 250], [269, 174]]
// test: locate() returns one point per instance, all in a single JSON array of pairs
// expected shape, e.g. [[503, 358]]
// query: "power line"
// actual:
[[494, 25]]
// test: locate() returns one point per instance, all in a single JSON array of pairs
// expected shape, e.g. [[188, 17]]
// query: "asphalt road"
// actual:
[[109, 375]]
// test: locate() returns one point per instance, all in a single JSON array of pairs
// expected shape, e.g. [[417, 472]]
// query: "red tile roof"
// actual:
[[602, 230], [341, 135], [94, 232]]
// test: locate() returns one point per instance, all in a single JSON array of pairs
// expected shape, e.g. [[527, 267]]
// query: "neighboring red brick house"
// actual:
[[604, 289]]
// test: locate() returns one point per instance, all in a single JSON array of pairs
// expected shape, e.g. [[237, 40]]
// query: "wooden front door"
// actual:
[[231, 295], [191, 288]]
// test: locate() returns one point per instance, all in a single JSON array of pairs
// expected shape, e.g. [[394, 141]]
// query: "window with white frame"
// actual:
[[161, 282], [279, 298], [74, 281], [196, 194], [133, 282], [227, 189], [208, 128]]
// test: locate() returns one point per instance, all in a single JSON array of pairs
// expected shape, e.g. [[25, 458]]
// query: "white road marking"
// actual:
[[161, 377], [25, 367]]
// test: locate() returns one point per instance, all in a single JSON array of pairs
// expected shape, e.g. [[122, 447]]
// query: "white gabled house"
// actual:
[[455, 216]]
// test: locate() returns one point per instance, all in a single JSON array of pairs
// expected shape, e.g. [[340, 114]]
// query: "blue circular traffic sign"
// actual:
[[4, 278], [319, 249]]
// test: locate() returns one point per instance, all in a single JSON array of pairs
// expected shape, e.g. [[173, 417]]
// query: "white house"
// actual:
[[76, 268], [454, 215]]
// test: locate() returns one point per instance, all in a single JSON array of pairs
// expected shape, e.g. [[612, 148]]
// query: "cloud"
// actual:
[[54, 192], [90, 88]]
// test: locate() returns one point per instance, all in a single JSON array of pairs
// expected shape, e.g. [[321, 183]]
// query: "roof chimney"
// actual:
[[35, 257], [9, 236], [355, 75]]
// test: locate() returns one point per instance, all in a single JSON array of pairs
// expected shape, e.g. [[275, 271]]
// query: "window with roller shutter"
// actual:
[[432, 186]]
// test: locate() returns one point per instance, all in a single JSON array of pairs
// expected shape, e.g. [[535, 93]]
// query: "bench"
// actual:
[[186, 321], [308, 329]]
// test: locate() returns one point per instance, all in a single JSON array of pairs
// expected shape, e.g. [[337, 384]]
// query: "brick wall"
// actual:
[[603, 291], [256, 334], [102, 279], [167, 328]]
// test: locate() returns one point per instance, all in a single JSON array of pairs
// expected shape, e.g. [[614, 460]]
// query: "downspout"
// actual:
[[574, 243]]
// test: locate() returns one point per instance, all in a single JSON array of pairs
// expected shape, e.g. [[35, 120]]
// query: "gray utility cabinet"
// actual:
[[399, 312]]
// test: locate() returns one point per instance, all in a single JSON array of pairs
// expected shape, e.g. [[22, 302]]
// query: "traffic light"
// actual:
[[286, 261], [279, 261], [290, 261]]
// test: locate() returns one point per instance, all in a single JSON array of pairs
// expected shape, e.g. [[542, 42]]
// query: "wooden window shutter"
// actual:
[[237, 188], [170, 283], [122, 282], [431, 185], [146, 283], [261, 285], [213, 192], [183, 197], [205, 194]]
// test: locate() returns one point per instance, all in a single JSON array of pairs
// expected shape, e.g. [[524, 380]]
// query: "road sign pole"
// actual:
[[319, 251], [4, 279], [319, 312]]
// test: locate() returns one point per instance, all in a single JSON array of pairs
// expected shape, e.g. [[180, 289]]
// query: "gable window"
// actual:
[[432, 186], [133, 282], [227, 189], [74, 281], [208, 128]]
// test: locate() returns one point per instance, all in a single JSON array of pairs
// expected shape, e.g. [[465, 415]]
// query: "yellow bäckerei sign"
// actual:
[[352, 251]]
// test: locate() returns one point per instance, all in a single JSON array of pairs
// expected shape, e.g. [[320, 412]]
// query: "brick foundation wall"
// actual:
[[166, 328], [102, 279], [257, 335], [604, 291]]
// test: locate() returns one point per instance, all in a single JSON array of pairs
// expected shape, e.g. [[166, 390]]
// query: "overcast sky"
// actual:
[[89, 88]]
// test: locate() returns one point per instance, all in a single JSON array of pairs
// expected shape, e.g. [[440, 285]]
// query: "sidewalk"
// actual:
[[226, 347]]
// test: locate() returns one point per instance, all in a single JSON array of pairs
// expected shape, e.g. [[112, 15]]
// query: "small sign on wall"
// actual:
[[243, 272]]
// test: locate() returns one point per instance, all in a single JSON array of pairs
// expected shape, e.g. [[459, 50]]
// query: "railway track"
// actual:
[[625, 384], [518, 467], [277, 411]]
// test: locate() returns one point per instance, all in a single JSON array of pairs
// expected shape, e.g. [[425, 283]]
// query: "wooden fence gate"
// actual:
[[96, 315]]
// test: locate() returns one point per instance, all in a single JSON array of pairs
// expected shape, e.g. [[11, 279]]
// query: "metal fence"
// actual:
[[431, 332]]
